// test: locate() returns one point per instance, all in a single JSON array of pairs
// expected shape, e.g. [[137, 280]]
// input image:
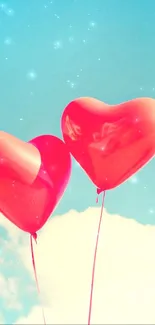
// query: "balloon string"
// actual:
[[94, 261], [35, 273]]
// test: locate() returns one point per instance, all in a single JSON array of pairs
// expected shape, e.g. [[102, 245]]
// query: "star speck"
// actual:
[[6, 10], [8, 41], [9, 12], [3, 6], [56, 16], [57, 45], [92, 25], [31, 75], [71, 84]]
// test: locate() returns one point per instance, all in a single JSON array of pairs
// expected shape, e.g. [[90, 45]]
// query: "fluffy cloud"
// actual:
[[9, 292], [124, 290]]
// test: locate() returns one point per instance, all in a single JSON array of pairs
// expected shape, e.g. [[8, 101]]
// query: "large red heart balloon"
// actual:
[[33, 178], [110, 142]]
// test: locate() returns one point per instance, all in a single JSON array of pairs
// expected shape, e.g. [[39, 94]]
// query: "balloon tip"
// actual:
[[34, 236], [99, 191]]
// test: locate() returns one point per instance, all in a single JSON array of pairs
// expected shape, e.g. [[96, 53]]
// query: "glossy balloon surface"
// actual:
[[29, 204], [110, 142]]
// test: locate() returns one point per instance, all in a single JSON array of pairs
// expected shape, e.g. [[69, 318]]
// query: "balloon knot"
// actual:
[[99, 191], [34, 235]]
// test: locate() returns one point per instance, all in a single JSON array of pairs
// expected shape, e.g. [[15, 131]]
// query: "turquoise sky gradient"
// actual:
[[54, 51]]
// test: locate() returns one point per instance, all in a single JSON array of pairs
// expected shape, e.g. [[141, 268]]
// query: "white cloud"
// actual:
[[9, 292], [124, 291], [1, 319]]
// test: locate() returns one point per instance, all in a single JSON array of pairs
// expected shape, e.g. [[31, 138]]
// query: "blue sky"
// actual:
[[52, 52]]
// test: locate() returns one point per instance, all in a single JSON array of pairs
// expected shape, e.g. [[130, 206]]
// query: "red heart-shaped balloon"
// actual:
[[27, 199], [110, 142]]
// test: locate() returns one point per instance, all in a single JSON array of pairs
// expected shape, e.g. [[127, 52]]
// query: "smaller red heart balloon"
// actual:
[[110, 142], [33, 178]]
